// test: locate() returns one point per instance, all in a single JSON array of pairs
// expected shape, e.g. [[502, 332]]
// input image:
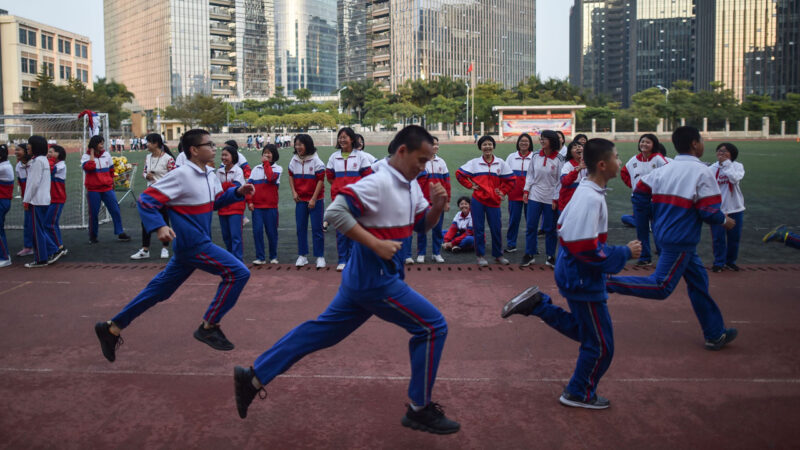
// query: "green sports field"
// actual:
[[770, 190]]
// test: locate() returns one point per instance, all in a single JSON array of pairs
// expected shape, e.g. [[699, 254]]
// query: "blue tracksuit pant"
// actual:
[[437, 237], [301, 216], [232, 234], [480, 211], [53, 228], [535, 210], [343, 246], [265, 219], [43, 246], [27, 231], [515, 211], [589, 324], [211, 259], [109, 198], [725, 243], [642, 216], [5, 205], [792, 240], [396, 303], [627, 219], [672, 265]]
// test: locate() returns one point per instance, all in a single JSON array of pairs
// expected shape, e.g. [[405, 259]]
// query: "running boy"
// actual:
[[377, 212], [191, 192], [684, 194], [581, 268]]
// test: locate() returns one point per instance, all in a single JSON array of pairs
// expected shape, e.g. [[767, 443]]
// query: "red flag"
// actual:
[[469, 69]]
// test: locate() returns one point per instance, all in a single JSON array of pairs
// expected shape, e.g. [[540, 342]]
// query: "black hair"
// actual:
[[95, 141], [62, 154], [683, 137], [412, 136], [731, 148], [484, 139], [3, 153], [580, 135], [652, 138], [272, 149], [572, 145], [307, 142], [435, 138], [350, 133], [561, 134], [530, 141], [232, 143], [38, 145], [360, 142], [463, 198], [26, 154], [552, 138], [596, 150], [234, 153], [156, 138], [661, 149], [192, 138]]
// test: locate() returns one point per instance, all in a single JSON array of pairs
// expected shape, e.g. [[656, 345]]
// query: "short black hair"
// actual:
[[683, 137], [463, 198], [234, 153], [350, 133], [3, 153], [580, 135], [652, 138], [360, 143], [570, 147], [731, 148], [38, 145], [412, 136], [307, 142], [596, 150], [95, 141], [552, 138], [192, 138], [561, 135], [26, 153], [232, 143], [272, 149], [484, 139], [530, 141], [62, 154]]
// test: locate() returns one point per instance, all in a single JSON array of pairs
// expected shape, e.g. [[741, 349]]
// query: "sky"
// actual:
[[86, 17]]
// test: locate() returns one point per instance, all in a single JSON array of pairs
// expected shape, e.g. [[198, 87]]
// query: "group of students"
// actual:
[[281, 140]]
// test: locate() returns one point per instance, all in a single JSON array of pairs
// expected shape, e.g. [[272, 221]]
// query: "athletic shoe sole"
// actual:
[[414, 425], [510, 307], [567, 402], [213, 345]]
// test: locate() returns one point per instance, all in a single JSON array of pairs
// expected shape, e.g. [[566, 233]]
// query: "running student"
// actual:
[[99, 182], [459, 236], [231, 217], [190, 193], [519, 162], [728, 173], [683, 194], [56, 157], [23, 156], [36, 202], [377, 212], [490, 179], [307, 181], [6, 192], [266, 178], [583, 264], [157, 163]]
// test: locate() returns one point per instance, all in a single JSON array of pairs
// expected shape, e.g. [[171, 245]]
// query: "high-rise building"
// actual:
[[664, 42], [410, 40], [28, 48], [352, 23]]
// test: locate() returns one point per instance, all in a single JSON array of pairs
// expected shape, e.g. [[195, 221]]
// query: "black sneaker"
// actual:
[[644, 263], [109, 342], [716, 269], [122, 237], [727, 337], [213, 337], [597, 402], [93, 240], [57, 255], [36, 264], [523, 303], [244, 390], [510, 249], [733, 267], [541, 233], [431, 418], [527, 260], [551, 261]]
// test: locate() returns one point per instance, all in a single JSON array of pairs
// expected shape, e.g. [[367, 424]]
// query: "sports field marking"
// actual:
[[16, 287]]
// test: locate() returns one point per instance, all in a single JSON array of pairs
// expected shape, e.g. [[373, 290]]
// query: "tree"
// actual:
[[181, 109], [443, 109], [303, 95]]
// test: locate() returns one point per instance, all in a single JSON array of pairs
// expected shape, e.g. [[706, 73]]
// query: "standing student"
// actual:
[[562, 142], [56, 158], [345, 166], [490, 179], [519, 163], [307, 181], [242, 160], [684, 194], [36, 202], [728, 173], [436, 172], [266, 178], [99, 182], [460, 236], [23, 155], [541, 195], [572, 173], [647, 160], [377, 212], [157, 164], [582, 267], [361, 146], [190, 193], [6, 192], [230, 216]]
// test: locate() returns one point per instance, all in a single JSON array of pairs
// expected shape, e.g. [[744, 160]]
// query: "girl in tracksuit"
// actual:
[[490, 179], [36, 202], [459, 236], [519, 163], [728, 174], [56, 157], [637, 167], [242, 161], [541, 195], [158, 162], [345, 166], [230, 217], [572, 173], [23, 156], [266, 178], [307, 181], [6, 192], [99, 182]]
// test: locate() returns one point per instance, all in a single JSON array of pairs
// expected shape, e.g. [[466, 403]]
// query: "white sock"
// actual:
[[415, 407], [256, 384]]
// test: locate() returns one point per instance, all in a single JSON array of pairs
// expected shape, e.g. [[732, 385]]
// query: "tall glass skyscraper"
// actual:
[[352, 31]]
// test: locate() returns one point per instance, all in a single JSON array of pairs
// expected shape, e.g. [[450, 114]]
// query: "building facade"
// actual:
[[352, 32], [28, 48]]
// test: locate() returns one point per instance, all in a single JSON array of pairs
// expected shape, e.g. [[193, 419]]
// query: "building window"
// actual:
[[28, 65], [65, 72], [49, 69], [77, 49], [27, 37], [60, 46]]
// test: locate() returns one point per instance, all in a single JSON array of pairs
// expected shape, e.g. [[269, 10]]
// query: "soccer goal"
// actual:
[[68, 131]]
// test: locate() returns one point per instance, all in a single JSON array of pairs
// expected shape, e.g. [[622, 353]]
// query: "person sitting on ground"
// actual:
[[459, 236]]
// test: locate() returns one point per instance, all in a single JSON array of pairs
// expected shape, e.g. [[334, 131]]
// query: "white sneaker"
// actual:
[[438, 258], [482, 262], [5, 262], [259, 262], [301, 261], [410, 261], [141, 254], [321, 263], [502, 261], [273, 261], [245, 221], [340, 267], [420, 259], [164, 253]]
